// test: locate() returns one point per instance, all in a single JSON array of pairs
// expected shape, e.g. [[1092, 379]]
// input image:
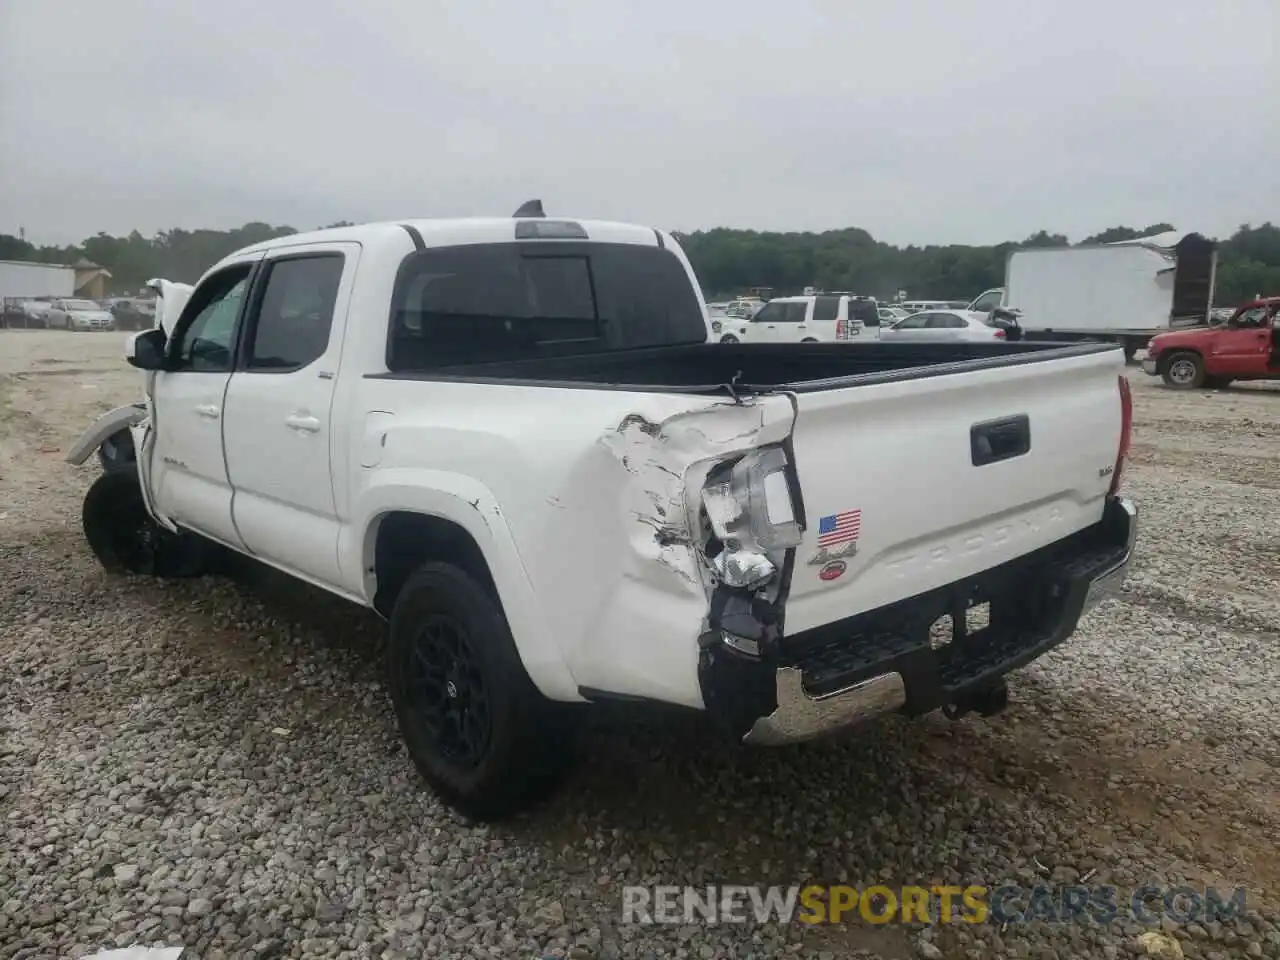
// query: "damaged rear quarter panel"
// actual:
[[640, 593], [592, 487]]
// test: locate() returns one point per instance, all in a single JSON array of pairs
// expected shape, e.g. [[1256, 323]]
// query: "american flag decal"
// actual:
[[839, 528]]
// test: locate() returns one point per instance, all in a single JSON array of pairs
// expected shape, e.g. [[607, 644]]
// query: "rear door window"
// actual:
[[796, 311], [294, 320]]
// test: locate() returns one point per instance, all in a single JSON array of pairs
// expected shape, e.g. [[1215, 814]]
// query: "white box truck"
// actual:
[[21, 279], [1125, 292], [21, 283]]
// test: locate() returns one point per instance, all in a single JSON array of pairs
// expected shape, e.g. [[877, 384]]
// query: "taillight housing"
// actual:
[[842, 329], [999, 334], [1126, 434]]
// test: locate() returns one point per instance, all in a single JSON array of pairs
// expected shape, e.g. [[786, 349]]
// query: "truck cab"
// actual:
[[1246, 347]]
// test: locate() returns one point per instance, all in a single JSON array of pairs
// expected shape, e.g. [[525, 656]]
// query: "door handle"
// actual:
[[209, 410], [303, 423], [998, 440]]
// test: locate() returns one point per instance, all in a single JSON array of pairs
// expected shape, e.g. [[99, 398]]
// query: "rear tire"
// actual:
[[1183, 370], [809, 340], [728, 338], [478, 730], [125, 538]]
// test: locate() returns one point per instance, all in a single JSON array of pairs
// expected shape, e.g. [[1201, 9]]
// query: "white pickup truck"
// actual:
[[517, 440]]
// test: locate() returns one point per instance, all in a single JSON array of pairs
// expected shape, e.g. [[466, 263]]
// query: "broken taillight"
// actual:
[[842, 329], [999, 334], [1126, 434]]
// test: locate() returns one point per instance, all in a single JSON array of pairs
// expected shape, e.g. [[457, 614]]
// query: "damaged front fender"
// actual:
[[106, 426]]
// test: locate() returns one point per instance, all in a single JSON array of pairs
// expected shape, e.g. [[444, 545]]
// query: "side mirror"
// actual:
[[146, 350]]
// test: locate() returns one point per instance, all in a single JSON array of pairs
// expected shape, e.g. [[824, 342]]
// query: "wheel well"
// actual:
[[407, 540], [122, 440]]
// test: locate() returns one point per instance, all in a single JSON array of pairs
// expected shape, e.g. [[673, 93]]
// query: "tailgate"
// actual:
[[919, 483]]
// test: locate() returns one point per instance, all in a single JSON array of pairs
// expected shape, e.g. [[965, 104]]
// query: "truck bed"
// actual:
[[802, 367], [952, 458]]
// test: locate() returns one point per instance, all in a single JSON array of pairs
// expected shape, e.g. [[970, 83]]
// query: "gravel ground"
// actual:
[[216, 764]]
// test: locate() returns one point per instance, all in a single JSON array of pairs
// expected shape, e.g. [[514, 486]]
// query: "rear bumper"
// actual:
[[883, 661]]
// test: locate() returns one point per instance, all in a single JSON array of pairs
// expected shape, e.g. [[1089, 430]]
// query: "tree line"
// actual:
[[727, 262]]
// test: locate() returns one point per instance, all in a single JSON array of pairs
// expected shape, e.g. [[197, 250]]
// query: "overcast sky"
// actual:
[[922, 121]]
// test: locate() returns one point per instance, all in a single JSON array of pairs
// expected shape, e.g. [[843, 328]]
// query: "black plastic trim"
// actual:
[[593, 694], [1036, 353], [418, 243], [993, 441]]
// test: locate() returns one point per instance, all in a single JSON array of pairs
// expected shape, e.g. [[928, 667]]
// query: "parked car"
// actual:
[[26, 312], [133, 313], [919, 306], [1246, 347], [70, 314], [518, 442], [938, 326], [891, 315], [19, 312], [744, 308], [821, 318]]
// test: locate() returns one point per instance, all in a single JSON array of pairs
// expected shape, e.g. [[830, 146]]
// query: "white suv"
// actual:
[[823, 318]]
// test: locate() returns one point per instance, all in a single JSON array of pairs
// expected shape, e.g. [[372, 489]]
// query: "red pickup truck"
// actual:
[[1246, 347]]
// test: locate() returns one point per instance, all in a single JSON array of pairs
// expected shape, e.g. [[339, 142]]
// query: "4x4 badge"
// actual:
[[826, 555]]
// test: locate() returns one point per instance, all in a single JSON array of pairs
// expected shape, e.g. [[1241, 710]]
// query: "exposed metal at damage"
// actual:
[[669, 458]]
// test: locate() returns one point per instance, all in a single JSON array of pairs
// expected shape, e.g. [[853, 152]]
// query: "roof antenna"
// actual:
[[530, 208]]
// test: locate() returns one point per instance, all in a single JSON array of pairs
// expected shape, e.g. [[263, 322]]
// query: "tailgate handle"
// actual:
[[997, 440]]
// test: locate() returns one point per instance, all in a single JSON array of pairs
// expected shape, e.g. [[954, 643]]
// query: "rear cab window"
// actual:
[[481, 303]]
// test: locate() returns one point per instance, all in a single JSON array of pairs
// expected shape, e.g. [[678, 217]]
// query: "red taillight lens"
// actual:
[[999, 333], [1126, 434], [842, 330]]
